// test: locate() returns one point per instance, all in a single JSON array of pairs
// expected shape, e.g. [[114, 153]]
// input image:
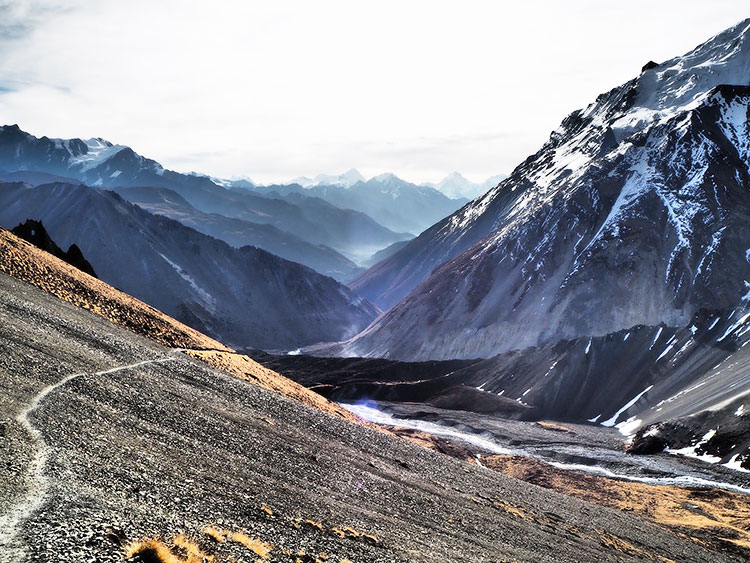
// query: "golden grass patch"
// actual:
[[704, 515], [28, 263], [260, 548], [153, 550]]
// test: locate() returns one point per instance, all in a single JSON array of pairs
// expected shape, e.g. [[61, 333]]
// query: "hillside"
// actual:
[[244, 297], [239, 232], [118, 439]]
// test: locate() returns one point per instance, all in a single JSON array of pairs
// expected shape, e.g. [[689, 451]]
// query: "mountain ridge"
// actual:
[[240, 295]]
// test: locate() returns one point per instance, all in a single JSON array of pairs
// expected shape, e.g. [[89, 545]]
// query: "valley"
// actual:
[[546, 365]]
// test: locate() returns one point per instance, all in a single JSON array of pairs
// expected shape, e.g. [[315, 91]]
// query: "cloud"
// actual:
[[18, 18], [281, 89]]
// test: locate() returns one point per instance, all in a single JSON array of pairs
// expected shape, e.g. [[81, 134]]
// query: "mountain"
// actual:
[[353, 233], [345, 180], [385, 253], [399, 205], [599, 208], [238, 232], [99, 163], [244, 296], [633, 214], [455, 186]]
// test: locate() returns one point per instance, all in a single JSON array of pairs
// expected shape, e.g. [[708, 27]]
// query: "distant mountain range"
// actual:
[[240, 232], [453, 186], [456, 186], [242, 296], [399, 205], [345, 217], [99, 163]]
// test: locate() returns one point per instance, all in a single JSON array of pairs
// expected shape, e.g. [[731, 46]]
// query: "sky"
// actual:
[[275, 90]]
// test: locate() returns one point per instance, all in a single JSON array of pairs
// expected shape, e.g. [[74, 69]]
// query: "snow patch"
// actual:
[[690, 451], [206, 297], [611, 421], [98, 151]]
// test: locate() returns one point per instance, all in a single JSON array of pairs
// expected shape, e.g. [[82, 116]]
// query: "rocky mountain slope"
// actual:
[[239, 232], [99, 163], [241, 296], [635, 212], [115, 445], [607, 278]]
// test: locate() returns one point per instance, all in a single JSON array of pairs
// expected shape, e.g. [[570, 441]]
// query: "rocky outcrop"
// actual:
[[35, 233]]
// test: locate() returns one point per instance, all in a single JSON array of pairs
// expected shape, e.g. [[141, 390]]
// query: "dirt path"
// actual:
[[29, 503]]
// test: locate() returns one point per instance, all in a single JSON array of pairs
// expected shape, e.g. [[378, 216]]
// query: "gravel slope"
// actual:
[[172, 446]]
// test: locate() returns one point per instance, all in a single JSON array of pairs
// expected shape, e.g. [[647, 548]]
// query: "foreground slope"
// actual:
[[114, 438], [240, 296], [635, 212]]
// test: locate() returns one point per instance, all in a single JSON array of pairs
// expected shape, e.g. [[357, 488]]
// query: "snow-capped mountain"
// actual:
[[633, 213], [345, 180], [244, 296], [399, 205], [456, 186]]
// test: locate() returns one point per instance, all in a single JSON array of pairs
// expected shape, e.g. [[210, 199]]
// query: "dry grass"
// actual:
[[712, 517], [26, 262], [555, 426], [191, 549], [260, 548], [153, 550]]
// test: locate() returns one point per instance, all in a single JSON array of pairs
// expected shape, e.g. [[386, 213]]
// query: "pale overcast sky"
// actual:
[[278, 89]]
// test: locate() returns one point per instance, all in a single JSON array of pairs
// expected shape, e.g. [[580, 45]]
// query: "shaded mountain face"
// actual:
[[238, 232], [635, 212], [244, 297], [353, 233], [35, 233], [387, 252], [399, 205], [99, 163]]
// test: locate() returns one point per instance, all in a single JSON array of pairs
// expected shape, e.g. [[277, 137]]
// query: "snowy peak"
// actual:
[[98, 151], [345, 180], [679, 84], [388, 179], [723, 59], [456, 186]]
